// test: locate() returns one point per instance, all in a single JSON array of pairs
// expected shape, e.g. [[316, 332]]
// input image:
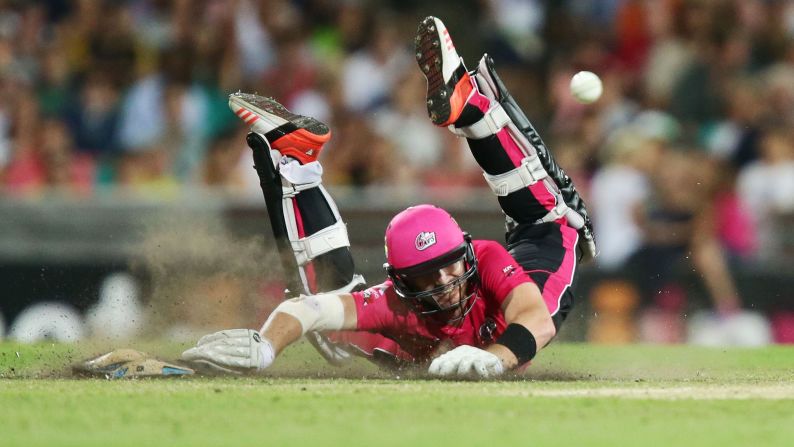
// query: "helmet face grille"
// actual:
[[424, 302]]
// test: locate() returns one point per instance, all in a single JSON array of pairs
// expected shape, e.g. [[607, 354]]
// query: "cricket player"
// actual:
[[465, 307]]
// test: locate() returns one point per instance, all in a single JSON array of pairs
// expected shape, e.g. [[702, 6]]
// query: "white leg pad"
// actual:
[[295, 179], [308, 248], [321, 242]]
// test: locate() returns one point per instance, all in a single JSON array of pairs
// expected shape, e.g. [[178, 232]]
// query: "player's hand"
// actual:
[[467, 361], [232, 350]]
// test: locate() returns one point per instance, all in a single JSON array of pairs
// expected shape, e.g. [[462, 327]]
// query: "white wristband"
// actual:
[[266, 354], [314, 312]]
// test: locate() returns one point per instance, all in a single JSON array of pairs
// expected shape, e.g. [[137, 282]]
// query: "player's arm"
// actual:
[[245, 349], [293, 318], [529, 326]]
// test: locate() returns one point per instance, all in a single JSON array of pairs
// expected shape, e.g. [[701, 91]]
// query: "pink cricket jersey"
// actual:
[[380, 310]]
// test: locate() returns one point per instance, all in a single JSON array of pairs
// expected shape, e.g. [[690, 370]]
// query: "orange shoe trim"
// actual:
[[301, 145], [458, 100]]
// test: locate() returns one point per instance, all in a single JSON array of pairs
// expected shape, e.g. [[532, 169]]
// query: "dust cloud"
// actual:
[[201, 277]]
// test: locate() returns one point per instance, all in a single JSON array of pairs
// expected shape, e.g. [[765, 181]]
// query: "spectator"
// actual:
[[51, 162], [370, 73], [766, 187], [167, 110], [94, 116], [220, 169], [56, 84], [678, 225], [617, 192], [425, 155], [350, 167]]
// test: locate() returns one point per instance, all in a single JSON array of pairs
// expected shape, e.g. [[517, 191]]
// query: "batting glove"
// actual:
[[467, 361], [232, 350]]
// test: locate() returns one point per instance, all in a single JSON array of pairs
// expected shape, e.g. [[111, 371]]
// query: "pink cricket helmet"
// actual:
[[423, 239], [419, 234]]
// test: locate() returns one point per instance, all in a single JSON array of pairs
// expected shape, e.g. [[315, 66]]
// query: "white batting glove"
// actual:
[[232, 350], [466, 361]]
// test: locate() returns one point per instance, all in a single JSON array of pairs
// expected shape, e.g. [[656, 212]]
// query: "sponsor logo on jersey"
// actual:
[[509, 270], [372, 294], [425, 240]]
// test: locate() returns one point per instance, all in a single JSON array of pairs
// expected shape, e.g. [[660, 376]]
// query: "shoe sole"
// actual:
[[252, 108], [294, 135], [444, 102]]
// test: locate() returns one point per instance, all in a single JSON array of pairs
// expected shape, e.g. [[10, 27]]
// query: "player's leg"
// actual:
[[530, 186], [548, 253], [303, 215], [543, 209], [311, 236], [550, 247]]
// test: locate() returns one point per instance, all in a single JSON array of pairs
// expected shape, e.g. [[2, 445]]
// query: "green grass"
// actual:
[[572, 395]]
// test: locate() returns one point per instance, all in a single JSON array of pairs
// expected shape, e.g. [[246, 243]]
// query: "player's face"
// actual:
[[441, 278]]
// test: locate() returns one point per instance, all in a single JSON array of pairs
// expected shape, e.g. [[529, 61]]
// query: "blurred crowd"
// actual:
[[688, 155]]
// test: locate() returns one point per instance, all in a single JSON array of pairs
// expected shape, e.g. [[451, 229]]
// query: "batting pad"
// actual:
[[128, 364]]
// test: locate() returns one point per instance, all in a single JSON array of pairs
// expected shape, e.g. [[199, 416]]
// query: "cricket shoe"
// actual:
[[297, 136], [449, 85]]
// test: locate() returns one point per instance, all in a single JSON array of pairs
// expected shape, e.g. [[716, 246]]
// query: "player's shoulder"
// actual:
[[485, 247], [493, 259]]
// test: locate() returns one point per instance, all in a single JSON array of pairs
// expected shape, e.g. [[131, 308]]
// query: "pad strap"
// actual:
[[293, 190], [560, 210], [494, 120], [530, 171], [298, 177], [574, 219], [323, 241]]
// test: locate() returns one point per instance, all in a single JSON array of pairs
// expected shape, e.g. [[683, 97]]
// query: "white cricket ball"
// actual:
[[586, 87]]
